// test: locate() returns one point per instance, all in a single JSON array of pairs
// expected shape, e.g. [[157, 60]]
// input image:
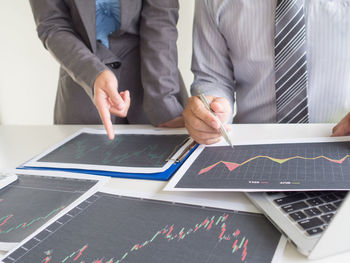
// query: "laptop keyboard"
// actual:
[[312, 211]]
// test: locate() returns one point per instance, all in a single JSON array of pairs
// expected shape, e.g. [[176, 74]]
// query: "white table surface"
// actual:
[[20, 143]]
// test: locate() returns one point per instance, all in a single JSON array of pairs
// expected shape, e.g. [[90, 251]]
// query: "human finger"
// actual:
[[204, 136], [103, 110], [207, 141], [343, 127], [196, 124], [125, 95], [116, 98], [221, 107], [201, 137], [201, 112], [126, 98]]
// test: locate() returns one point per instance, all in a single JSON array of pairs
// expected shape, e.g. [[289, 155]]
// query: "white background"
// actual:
[[28, 73]]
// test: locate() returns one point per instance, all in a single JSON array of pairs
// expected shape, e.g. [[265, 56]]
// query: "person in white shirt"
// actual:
[[235, 64]]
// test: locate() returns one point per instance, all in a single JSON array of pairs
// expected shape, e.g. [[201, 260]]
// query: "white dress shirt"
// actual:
[[233, 57]]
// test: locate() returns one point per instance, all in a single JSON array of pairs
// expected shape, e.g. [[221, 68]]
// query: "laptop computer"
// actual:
[[317, 223]]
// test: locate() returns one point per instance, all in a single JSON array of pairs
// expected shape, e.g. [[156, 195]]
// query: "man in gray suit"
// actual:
[[135, 77]]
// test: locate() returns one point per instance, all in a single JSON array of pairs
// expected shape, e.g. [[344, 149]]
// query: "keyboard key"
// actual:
[[290, 193], [312, 212], [327, 218], [314, 201], [313, 194], [311, 223], [294, 207], [297, 216], [337, 204], [290, 199], [341, 194], [327, 208], [329, 198], [314, 231], [272, 193]]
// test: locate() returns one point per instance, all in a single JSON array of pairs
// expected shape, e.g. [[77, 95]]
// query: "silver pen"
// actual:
[[222, 128]]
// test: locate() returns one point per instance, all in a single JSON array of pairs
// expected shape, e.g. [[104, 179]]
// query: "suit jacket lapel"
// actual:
[[130, 15], [87, 12]]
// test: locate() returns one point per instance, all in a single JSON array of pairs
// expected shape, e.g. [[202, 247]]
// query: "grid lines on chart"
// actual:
[[306, 164]]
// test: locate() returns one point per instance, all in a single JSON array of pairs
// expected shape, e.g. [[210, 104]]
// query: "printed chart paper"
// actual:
[[114, 228], [6, 179], [132, 151], [35, 198], [320, 164]]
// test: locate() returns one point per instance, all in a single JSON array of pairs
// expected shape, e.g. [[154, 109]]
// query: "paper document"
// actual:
[[114, 227], [293, 165], [35, 198], [6, 179], [132, 151]]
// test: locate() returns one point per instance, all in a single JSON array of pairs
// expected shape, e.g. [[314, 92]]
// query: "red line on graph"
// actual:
[[7, 218], [80, 252], [232, 166], [25, 224]]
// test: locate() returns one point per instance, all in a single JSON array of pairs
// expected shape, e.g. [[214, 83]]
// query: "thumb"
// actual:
[[342, 128], [221, 107]]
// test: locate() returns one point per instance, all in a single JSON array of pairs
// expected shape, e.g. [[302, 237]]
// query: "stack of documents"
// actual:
[[134, 153]]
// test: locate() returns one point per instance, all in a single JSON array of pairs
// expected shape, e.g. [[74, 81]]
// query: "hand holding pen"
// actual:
[[221, 125], [202, 124]]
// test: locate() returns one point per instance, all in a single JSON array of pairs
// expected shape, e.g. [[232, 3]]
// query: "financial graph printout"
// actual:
[[115, 229], [32, 200], [131, 150], [322, 165]]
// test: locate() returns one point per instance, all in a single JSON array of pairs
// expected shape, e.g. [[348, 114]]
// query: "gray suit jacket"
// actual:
[[142, 54]]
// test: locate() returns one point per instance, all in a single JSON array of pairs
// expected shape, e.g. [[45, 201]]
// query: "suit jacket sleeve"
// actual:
[[211, 64], [159, 67], [55, 30]]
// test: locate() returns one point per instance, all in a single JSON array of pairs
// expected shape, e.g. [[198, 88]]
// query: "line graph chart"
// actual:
[[116, 229], [131, 150], [4, 221], [318, 165], [32, 200], [232, 166]]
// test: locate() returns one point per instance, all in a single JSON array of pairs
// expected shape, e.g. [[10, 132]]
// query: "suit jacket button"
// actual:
[[115, 65]]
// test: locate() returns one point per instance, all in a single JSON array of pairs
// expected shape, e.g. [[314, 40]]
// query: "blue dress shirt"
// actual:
[[107, 19]]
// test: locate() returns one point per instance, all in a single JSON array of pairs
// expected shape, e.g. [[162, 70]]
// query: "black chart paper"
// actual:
[[323, 165], [32, 200], [131, 150], [115, 229]]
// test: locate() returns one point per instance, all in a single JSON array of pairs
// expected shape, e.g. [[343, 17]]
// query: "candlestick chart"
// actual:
[[114, 229], [167, 235], [5, 220], [135, 150], [271, 166], [32, 200]]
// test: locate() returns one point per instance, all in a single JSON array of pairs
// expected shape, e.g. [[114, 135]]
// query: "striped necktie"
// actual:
[[290, 62]]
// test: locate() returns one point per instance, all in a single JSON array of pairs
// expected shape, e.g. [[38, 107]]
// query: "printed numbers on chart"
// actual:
[[285, 182]]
